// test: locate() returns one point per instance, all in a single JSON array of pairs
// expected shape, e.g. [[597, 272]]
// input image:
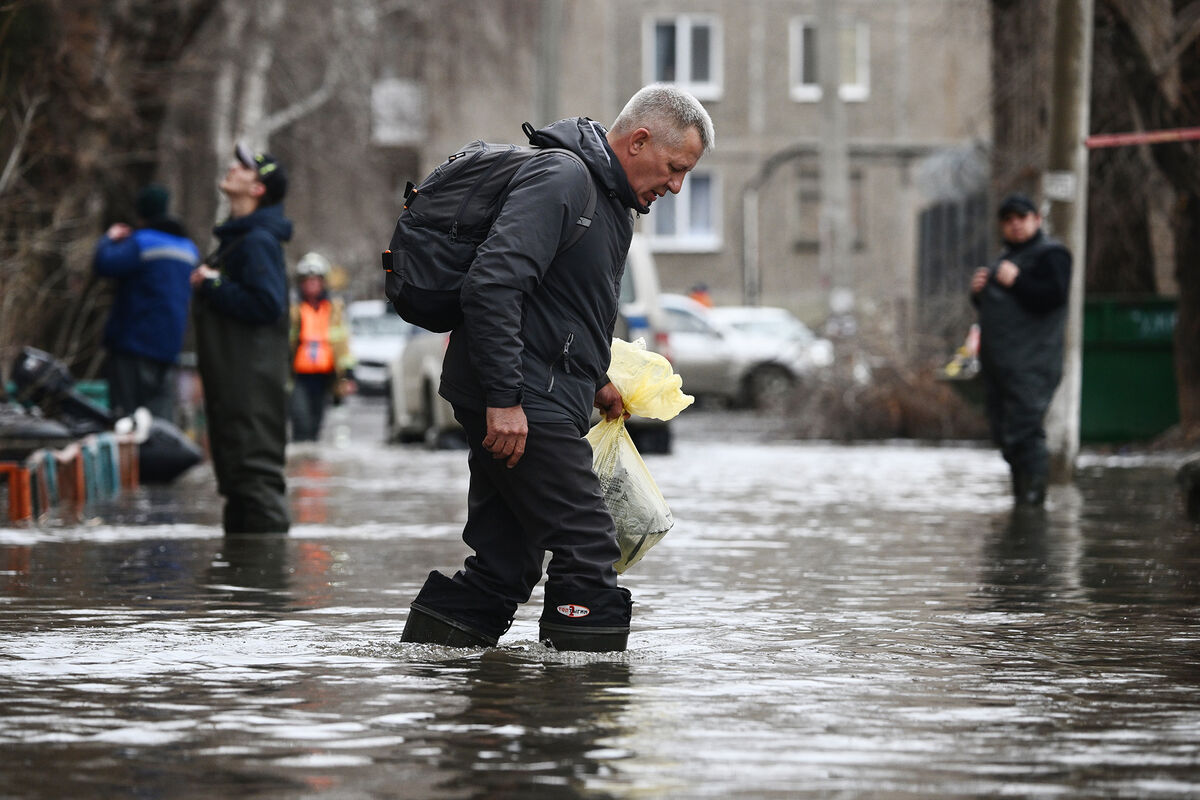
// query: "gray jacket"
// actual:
[[538, 323]]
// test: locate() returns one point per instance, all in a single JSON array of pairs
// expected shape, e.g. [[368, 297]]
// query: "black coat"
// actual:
[[1022, 327], [538, 323]]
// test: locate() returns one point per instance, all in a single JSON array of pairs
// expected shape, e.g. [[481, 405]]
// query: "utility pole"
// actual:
[[1065, 186], [546, 77], [833, 151]]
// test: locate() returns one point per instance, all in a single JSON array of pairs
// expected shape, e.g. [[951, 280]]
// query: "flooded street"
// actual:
[[823, 621]]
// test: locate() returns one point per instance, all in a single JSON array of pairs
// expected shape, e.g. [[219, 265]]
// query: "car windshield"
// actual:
[[385, 325]]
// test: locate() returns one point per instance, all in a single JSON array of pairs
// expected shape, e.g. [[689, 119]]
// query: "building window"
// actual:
[[854, 49], [685, 50], [807, 223], [687, 222]]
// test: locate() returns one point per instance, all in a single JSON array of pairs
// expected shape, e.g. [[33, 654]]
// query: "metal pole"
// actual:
[[1142, 137], [546, 76], [832, 150], [750, 279], [1065, 185]]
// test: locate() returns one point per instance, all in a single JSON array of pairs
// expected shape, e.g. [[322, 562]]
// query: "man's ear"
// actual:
[[258, 189], [638, 140]]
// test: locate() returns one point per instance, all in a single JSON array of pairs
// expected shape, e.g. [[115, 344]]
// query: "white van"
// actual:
[[416, 413]]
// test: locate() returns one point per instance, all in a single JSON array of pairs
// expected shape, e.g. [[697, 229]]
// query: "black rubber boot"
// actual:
[[451, 613], [590, 620], [1029, 488], [426, 626]]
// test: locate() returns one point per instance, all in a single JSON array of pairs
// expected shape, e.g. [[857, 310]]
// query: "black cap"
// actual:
[[1017, 204], [151, 202], [271, 173]]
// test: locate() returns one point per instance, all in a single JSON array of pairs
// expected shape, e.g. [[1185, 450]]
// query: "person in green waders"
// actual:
[[240, 313]]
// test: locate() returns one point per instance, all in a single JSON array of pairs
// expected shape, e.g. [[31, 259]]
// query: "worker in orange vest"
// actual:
[[321, 359]]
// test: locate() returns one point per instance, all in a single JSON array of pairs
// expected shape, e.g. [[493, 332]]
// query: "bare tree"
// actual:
[[82, 98], [1157, 45]]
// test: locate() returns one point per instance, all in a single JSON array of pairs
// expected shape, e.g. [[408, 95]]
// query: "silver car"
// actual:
[[377, 337], [741, 355]]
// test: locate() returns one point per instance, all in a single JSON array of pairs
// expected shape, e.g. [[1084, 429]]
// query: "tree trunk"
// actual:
[[1187, 325]]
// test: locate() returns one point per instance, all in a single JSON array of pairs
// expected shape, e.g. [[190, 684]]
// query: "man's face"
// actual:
[[654, 168], [1019, 228], [240, 181], [311, 287]]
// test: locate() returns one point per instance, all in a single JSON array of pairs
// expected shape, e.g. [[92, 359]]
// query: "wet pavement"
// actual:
[[823, 621]]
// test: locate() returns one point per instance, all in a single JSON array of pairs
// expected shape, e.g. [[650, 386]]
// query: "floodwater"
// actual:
[[822, 622]]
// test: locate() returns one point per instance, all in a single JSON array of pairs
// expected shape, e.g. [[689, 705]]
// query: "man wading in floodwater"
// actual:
[[1022, 302], [525, 368]]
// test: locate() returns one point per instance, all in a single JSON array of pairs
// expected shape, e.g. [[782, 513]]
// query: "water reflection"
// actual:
[[527, 728], [1022, 568], [251, 571]]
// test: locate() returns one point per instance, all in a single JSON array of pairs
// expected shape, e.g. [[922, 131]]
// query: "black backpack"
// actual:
[[446, 218]]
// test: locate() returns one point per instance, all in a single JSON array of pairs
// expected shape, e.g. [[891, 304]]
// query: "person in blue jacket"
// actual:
[[151, 265], [239, 307]]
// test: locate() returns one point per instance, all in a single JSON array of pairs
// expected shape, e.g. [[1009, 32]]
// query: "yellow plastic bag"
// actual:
[[650, 388], [647, 382]]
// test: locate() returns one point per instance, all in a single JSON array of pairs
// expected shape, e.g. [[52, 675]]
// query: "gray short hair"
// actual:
[[667, 111]]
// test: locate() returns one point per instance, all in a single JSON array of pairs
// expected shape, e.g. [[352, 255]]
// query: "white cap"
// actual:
[[313, 264]]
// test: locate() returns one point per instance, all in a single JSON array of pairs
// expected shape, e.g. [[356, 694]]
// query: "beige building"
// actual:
[[802, 196]]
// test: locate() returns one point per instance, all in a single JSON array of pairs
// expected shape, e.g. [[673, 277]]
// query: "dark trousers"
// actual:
[[1016, 404], [551, 501], [138, 382], [310, 398]]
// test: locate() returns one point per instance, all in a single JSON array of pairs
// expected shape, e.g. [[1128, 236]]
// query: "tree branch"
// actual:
[[284, 117], [14, 157]]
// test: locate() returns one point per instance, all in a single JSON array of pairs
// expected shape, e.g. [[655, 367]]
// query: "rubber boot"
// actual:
[[590, 620], [1029, 488], [426, 626], [451, 613]]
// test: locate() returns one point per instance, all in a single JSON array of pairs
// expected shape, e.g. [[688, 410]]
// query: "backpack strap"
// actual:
[[584, 222]]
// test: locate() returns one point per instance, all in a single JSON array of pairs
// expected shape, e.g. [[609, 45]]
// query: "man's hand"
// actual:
[[507, 429], [118, 231], [1007, 273], [202, 273], [979, 279], [610, 402]]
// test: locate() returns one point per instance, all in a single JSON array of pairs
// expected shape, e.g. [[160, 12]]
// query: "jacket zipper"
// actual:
[[566, 361]]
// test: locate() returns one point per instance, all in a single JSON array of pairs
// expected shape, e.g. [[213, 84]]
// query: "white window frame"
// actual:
[[811, 92], [684, 23], [684, 240]]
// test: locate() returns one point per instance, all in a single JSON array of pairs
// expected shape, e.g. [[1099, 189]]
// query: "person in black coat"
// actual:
[[1022, 303], [528, 364], [240, 310]]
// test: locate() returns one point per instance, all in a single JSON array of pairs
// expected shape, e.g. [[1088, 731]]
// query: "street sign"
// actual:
[[1059, 186]]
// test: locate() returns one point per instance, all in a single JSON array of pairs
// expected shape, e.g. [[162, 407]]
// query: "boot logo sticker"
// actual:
[[571, 610]]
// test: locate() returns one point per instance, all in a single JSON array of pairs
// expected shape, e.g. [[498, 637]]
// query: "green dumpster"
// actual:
[[1129, 387]]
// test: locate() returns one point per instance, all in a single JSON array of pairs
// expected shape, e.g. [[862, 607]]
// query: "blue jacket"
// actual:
[[149, 310], [253, 285]]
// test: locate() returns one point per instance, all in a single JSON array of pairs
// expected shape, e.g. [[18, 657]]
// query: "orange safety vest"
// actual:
[[314, 353]]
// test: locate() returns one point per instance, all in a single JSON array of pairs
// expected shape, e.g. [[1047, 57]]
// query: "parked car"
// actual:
[[417, 413], [377, 337], [744, 356]]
